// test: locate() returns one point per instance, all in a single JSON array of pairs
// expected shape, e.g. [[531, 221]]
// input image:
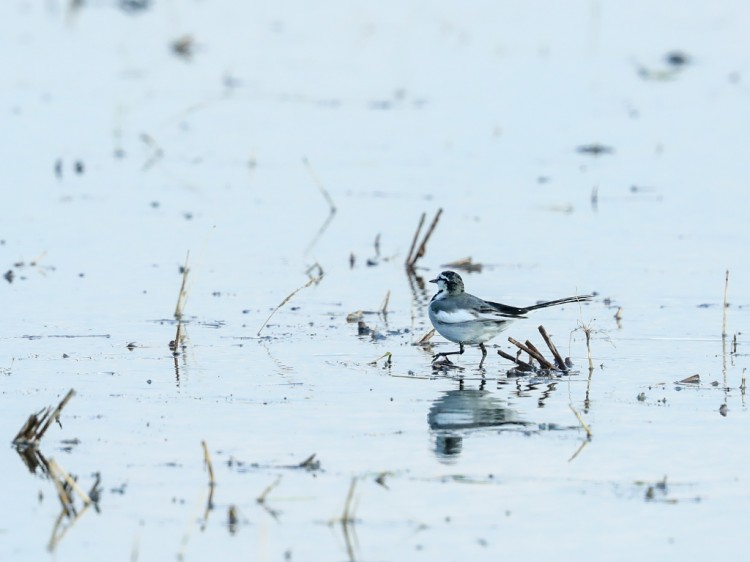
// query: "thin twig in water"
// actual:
[[556, 354], [320, 185], [425, 339], [314, 280], [36, 426], [532, 352], [329, 200], [179, 307], [209, 466], [384, 308], [586, 428], [211, 483], [388, 356], [348, 515], [726, 305], [423, 246], [407, 263], [58, 473], [56, 414], [182, 295], [521, 364], [262, 497]]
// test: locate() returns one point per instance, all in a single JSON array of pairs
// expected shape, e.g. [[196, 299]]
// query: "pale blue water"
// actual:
[[400, 109]]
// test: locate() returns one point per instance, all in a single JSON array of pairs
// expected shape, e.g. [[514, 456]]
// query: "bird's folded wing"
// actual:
[[478, 314]]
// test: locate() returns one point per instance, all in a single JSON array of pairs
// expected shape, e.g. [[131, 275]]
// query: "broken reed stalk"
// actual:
[[262, 497], [726, 291], [532, 347], [209, 466], [413, 257], [56, 414], [423, 246], [35, 427], [314, 279], [211, 484], [556, 354], [348, 515], [182, 296], [533, 352], [384, 308], [180, 306], [407, 263], [522, 364]]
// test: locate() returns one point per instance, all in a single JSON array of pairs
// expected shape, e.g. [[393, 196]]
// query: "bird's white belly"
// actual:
[[472, 332]]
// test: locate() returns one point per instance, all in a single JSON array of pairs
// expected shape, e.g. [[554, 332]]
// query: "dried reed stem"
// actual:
[[182, 295], [348, 515], [320, 185], [55, 415], [209, 466], [384, 308], [423, 246], [533, 352], [522, 364], [558, 358], [262, 497], [585, 426], [726, 304], [407, 263], [314, 280]]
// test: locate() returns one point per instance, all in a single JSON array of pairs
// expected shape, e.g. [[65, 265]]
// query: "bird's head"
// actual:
[[449, 283]]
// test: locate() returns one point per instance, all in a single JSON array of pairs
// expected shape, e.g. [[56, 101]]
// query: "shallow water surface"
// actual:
[[570, 154]]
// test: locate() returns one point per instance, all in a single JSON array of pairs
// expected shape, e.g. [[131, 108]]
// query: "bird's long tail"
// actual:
[[578, 298]]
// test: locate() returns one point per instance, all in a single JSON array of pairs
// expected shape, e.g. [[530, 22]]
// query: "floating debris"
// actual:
[[595, 149], [465, 264], [677, 59], [184, 46]]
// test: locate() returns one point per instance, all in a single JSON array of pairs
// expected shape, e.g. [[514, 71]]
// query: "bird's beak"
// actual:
[[433, 280]]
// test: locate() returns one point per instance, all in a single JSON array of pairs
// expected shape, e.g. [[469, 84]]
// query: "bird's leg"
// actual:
[[484, 354], [445, 354]]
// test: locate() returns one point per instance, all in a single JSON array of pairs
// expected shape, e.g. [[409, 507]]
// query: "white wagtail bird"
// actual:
[[468, 320]]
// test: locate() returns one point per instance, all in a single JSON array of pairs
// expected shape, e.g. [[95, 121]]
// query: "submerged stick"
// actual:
[[314, 279], [558, 358]]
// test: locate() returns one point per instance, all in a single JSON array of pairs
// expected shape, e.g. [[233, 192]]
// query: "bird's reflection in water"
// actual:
[[456, 413]]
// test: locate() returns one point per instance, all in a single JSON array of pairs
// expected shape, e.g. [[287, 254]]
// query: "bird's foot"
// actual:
[[445, 360]]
